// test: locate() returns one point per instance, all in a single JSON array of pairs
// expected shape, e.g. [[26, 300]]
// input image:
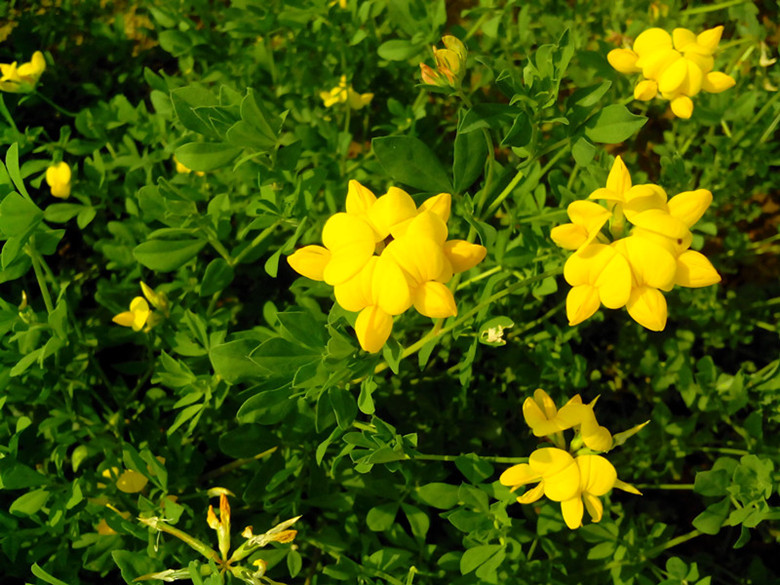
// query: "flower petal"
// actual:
[[689, 206], [652, 40], [581, 303], [682, 107], [694, 270], [310, 261], [646, 90], [359, 199], [572, 511], [434, 300], [391, 208], [682, 37], [619, 179], [594, 506], [597, 474], [569, 236], [623, 60], [532, 495], [355, 294], [709, 39], [647, 306], [716, 82], [351, 242], [560, 475], [373, 327], [519, 475], [651, 264], [390, 289], [463, 255], [439, 204]]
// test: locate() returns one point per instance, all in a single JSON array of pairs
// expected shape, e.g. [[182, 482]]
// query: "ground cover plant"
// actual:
[[389, 292]]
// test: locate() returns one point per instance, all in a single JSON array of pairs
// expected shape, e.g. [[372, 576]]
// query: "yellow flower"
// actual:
[[554, 469], [58, 178], [596, 477], [344, 94], [677, 66], [140, 314], [450, 64], [383, 255], [221, 524], [632, 271], [22, 79]]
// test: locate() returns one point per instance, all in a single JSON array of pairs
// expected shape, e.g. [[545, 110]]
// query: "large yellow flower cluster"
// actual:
[[632, 271], [678, 66], [576, 481], [384, 255]]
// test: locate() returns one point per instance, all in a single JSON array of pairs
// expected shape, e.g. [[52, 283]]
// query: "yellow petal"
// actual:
[[463, 255], [606, 194], [126, 319], [682, 107], [421, 259], [627, 487], [716, 82], [651, 264], [573, 413], [58, 178], [439, 204], [594, 506], [652, 40], [647, 306], [581, 303], [545, 403], [131, 482], [597, 475], [661, 222], [590, 215], [694, 270], [623, 60], [355, 294], [614, 282], [693, 80], [645, 90], [619, 179], [532, 495], [428, 225], [689, 206], [519, 475], [682, 37], [391, 208], [373, 327], [709, 39], [595, 436], [310, 261], [535, 417], [655, 65], [389, 287], [359, 199], [572, 512], [351, 243], [560, 475], [569, 236], [434, 300], [673, 76]]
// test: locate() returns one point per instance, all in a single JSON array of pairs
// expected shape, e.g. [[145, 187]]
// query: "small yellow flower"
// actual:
[[221, 524], [553, 468], [22, 78], [450, 64], [140, 314], [344, 94], [58, 178]]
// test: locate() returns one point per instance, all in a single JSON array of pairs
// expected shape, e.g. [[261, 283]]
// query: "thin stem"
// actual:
[[217, 245], [62, 111], [494, 459], [256, 242], [664, 486], [227, 468], [505, 193], [36, 263], [415, 347], [7, 115], [712, 7], [482, 276], [656, 550]]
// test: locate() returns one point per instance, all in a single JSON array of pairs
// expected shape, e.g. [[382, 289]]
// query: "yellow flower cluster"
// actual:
[[140, 314], [22, 78], [384, 255], [344, 94], [678, 66], [450, 64], [576, 481], [632, 271]]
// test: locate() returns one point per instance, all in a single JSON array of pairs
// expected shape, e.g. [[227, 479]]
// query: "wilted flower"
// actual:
[[384, 255], [450, 64], [677, 66], [22, 78], [344, 94], [632, 271], [58, 178]]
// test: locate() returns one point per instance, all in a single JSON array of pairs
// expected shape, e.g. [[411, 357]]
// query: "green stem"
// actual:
[[418, 345], [255, 243], [62, 111], [482, 276], [712, 7], [494, 459], [217, 245], [7, 115], [656, 550], [664, 486], [36, 263], [759, 115], [505, 193]]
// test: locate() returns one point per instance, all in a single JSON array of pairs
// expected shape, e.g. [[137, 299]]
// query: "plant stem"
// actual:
[[217, 245], [656, 550], [36, 263], [415, 347], [712, 7], [62, 111], [256, 242], [664, 486], [494, 459], [227, 468]]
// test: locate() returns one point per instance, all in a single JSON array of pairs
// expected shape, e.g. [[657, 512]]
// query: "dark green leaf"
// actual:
[[218, 275], [167, 255], [409, 161], [613, 124], [206, 156]]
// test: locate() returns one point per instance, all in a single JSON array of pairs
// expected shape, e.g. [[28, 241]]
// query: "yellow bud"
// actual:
[[58, 178], [682, 106], [623, 60], [716, 82], [645, 90]]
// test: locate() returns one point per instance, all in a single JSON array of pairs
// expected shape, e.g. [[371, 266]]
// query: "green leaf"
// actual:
[[206, 156], [409, 161], [382, 517], [16, 476], [713, 517], [246, 441], [475, 469], [474, 557], [438, 495], [344, 406], [365, 400], [487, 116], [398, 50], [167, 255], [294, 562], [277, 355], [469, 159], [61, 212], [12, 164], [18, 215], [583, 152], [231, 360], [418, 520], [267, 408], [133, 564], [218, 275], [29, 503], [613, 124], [44, 576]]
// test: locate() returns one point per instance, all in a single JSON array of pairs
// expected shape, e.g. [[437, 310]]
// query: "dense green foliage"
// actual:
[[250, 377]]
